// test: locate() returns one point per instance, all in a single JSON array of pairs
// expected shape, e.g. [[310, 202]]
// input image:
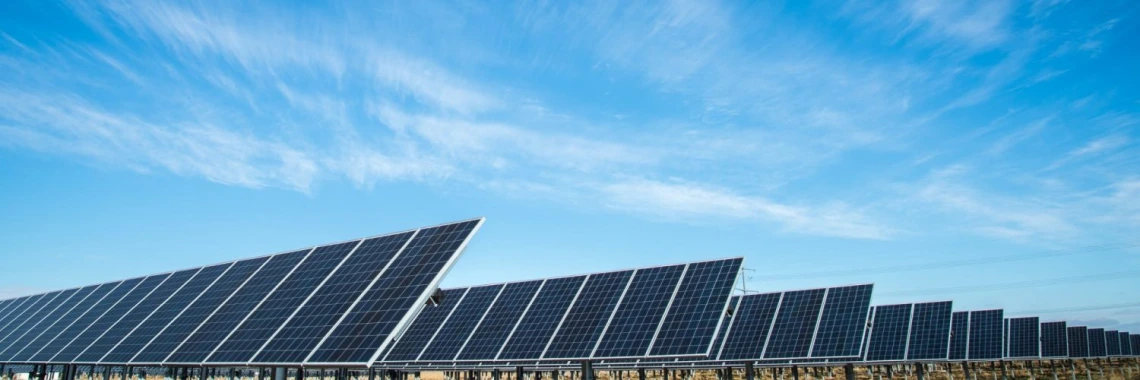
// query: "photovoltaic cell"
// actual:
[[1097, 347], [1024, 337], [889, 331], [136, 316], [251, 335], [536, 327], [640, 312], [420, 332], [1125, 344], [74, 312], [177, 330], [959, 335], [693, 316], [108, 320], [985, 340], [81, 323], [1078, 342], [929, 331], [795, 324], [318, 315], [15, 309], [391, 302], [583, 324], [1134, 339], [843, 322], [15, 337], [1054, 340], [461, 324], [201, 343], [492, 332], [1112, 342]]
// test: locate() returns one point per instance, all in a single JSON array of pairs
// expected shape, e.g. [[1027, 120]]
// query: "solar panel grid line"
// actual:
[[969, 316], [564, 314], [306, 301], [480, 322], [360, 296], [728, 330], [103, 332], [866, 342], [444, 323], [909, 327], [34, 319], [51, 318], [143, 321], [258, 307], [772, 326], [69, 319], [180, 312], [668, 307], [519, 321], [613, 313], [222, 305], [818, 318]]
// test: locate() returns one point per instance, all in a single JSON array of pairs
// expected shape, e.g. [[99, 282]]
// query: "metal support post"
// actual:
[[795, 373], [920, 371], [1001, 363], [587, 370], [519, 373]]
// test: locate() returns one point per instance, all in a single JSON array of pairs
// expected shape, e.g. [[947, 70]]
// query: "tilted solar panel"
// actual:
[[697, 309], [1024, 337], [635, 322], [427, 324], [538, 323], [459, 327], [82, 323], [751, 325], [1054, 340], [930, 331], [1097, 346], [583, 324], [1134, 340], [137, 315], [493, 330], [1078, 342], [889, 333], [109, 319], [795, 323], [985, 341], [959, 335], [1125, 344], [62, 318], [843, 322], [35, 317], [1112, 342]]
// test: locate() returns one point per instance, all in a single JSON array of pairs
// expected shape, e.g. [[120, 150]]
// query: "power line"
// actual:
[[1014, 285], [952, 263]]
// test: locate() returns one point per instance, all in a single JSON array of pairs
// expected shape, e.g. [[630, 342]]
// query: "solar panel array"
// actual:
[[1024, 338], [959, 335], [666, 311], [340, 303], [909, 332]]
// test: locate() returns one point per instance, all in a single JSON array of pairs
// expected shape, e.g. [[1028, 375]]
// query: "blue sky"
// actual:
[[984, 152]]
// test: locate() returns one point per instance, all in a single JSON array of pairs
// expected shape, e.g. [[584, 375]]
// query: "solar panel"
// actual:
[[843, 322], [64, 321], [695, 313], [582, 326], [111, 317], [631, 330], [123, 327], [492, 331], [1112, 342], [34, 316], [1097, 346], [1024, 337], [889, 331], [796, 319], [1005, 338], [412, 343], [751, 324], [80, 323], [1078, 342], [198, 346], [175, 332], [541, 319], [929, 331], [985, 341], [1134, 339], [1054, 340], [722, 334], [462, 323], [15, 309], [48, 322], [1125, 344]]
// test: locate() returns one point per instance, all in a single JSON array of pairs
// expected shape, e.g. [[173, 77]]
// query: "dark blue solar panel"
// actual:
[[316, 317], [65, 320], [104, 322], [178, 329], [640, 312], [1112, 342], [115, 334], [1134, 340], [1024, 337], [492, 332], [1078, 342], [11, 308], [15, 341], [1125, 344], [750, 326], [844, 320], [81, 323], [583, 325], [164, 314], [696, 311], [537, 325], [889, 331], [15, 352], [721, 336], [202, 342], [929, 331], [459, 327], [1054, 340], [795, 324], [986, 334], [247, 340], [368, 327], [959, 336], [427, 323], [1097, 346]]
